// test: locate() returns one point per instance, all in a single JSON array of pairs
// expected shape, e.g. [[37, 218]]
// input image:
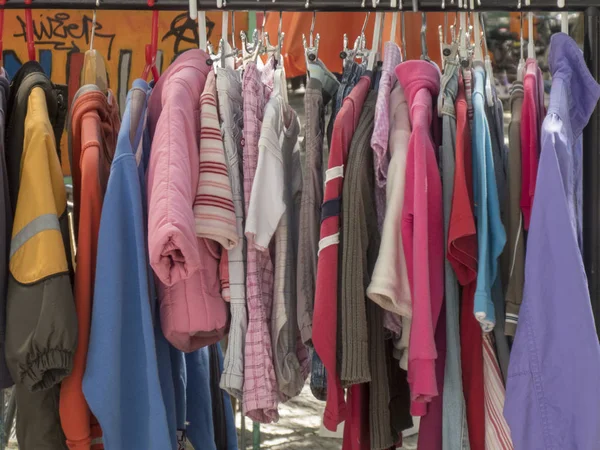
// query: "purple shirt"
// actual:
[[553, 389], [381, 132], [260, 382]]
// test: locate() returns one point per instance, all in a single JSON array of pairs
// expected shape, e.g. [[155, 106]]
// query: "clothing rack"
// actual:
[[591, 135], [300, 5], [591, 143]]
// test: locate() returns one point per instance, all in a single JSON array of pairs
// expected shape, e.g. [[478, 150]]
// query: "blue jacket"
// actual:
[[121, 383]]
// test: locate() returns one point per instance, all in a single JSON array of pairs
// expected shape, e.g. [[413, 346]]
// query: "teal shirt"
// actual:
[[491, 236]]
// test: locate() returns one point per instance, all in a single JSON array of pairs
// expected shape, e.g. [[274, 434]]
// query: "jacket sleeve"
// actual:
[[41, 322]]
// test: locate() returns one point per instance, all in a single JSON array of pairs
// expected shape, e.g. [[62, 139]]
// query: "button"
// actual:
[[243, 142]]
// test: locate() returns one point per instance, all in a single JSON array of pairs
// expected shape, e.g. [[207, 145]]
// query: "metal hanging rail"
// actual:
[[300, 5]]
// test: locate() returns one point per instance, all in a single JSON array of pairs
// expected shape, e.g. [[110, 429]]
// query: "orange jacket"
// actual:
[[94, 127]]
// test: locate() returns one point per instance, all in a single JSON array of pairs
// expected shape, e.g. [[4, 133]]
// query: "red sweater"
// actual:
[[532, 116], [462, 254], [326, 301]]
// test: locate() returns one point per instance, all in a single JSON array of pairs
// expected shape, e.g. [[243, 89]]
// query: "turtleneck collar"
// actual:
[[569, 70], [420, 81]]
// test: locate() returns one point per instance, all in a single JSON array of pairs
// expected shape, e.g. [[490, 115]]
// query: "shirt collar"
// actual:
[[567, 64], [391, 57], [416, 75]]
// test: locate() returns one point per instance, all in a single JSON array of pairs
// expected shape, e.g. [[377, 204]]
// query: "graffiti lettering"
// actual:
[[185, 31], [61, 32]]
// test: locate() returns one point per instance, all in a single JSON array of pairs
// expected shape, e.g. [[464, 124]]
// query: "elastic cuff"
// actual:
[[418, 409], [423, 386], [512, 319], [47, 370]]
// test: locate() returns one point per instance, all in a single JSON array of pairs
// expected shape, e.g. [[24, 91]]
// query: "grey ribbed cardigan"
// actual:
[[362, 333]]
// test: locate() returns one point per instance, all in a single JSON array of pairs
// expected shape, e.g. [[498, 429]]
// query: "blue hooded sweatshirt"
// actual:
[[122, 384]]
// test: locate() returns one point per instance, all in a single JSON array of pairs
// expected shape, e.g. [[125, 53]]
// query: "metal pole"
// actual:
[[293, 5], [591, 169]]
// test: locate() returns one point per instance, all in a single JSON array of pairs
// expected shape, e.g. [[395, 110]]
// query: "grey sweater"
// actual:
[[363, 344]]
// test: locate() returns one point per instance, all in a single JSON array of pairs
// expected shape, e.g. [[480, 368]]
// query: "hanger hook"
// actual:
[[424, 35], [312, 28], [94, 22], [521, 33]]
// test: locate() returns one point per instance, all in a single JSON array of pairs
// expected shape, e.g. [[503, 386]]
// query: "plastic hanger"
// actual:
[[2, 3], [311, 51], [373, 56], [94, 68], [424, 54], [152, 48], [394, 26], [478, 54], [29, 31], [531, 42], [489, 71], [522, 65], [564, 17], [402, 33]]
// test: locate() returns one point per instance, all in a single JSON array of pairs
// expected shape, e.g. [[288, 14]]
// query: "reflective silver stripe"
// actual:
[[37, 225], [96, 441], [328, 240], [334, 172]]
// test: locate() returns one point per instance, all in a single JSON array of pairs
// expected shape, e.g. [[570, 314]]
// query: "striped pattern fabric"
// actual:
[[468, 80], [497, 433], [213, 206], [231, 112]]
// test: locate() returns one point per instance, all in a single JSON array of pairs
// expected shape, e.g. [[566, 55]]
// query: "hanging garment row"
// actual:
[[393, 253]]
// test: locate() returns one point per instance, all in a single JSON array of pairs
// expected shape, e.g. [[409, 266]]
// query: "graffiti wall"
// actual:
[[62, 37]]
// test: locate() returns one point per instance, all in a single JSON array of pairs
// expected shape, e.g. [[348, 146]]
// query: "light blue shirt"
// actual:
[[491, 236]]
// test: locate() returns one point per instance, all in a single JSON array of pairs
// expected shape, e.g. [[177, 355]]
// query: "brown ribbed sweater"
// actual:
[[363, 345]]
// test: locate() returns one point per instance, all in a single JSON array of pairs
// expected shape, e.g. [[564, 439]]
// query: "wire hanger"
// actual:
[[152, 48], [29, 31], [360, 44], [94, 67]]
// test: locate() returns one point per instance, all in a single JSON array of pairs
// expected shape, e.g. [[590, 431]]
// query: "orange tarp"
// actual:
[[332, 25]]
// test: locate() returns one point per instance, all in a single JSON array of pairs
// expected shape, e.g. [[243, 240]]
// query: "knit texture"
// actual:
[[364, 353]]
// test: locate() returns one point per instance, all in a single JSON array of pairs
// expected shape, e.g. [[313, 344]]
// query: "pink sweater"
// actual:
[[422, 230]]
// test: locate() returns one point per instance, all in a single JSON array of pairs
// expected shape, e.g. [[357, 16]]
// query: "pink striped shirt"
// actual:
[[497, 433], [213, 205]]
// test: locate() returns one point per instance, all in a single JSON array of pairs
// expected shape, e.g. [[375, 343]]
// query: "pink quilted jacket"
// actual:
[[193, 313]]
